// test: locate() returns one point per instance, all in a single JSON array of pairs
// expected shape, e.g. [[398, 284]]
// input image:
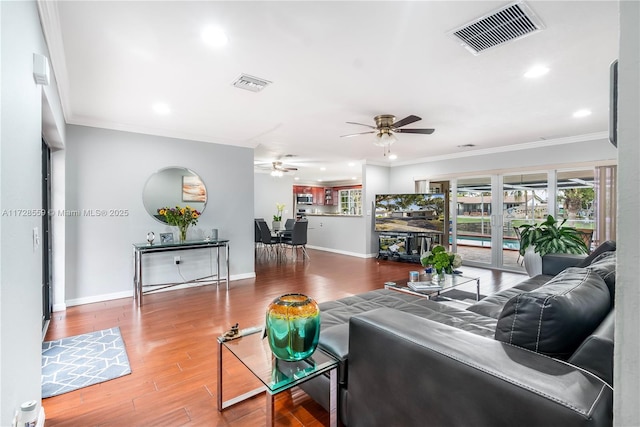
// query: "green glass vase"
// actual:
[[293, 326]]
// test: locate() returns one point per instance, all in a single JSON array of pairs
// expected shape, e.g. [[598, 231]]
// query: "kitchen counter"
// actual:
[[339, 233]]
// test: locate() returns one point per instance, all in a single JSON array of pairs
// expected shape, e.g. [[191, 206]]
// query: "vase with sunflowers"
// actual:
[[442, 261], [181, 217]]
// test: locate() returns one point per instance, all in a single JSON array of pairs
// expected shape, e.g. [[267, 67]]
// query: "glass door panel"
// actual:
[[525, 201], [576, 201], [472, 210]]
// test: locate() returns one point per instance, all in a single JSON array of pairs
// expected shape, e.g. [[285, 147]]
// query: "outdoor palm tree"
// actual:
[[576, 199]]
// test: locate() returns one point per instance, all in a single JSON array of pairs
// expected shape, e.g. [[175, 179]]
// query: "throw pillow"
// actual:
[[555, 318], [605, 266], [607, 246]]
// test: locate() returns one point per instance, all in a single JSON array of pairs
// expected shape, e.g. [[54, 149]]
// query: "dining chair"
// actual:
[[288, 229], [517, 230], [298, 238], [269, 241], [257, 235]]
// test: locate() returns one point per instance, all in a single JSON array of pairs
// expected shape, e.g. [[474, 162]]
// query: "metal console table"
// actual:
[[140, 249]]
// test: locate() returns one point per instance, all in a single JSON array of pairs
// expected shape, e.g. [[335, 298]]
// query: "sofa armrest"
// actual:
[[410, 371], [553, 264]]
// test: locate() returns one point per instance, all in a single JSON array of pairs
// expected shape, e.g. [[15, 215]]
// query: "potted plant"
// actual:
[[441, 260], [277, 218], [549, 236]]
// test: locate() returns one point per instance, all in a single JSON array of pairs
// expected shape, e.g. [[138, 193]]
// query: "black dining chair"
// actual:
[[269, 241], [298, 238], [288, 229]]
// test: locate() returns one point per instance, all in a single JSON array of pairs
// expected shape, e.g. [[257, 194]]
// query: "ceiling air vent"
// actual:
[[511, 22], [254, 84]]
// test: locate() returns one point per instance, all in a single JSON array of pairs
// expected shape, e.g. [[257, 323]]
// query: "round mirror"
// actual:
[[172, 187]]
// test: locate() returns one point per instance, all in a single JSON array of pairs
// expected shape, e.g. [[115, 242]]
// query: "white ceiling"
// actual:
[[330, 62]]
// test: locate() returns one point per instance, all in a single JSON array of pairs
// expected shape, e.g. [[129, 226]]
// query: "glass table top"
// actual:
[[158, 245], [450, 281], [277, 375]]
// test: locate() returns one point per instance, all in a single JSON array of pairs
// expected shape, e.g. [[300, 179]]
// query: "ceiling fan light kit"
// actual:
[[385, 128]]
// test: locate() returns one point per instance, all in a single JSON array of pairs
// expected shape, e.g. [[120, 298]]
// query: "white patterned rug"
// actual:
[[75, 362]]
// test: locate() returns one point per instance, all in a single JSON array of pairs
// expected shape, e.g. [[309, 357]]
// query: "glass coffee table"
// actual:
[[451, 281], [276, 375]]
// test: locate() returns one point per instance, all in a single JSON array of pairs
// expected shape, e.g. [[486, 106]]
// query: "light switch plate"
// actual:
[[36, 238]]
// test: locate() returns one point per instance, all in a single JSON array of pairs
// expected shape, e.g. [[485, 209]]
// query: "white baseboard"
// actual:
[[129, 294], [59, 307], [338, 251]]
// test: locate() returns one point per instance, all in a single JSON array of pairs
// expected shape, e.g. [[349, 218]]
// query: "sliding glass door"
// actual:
[[471, 218], [486, 211], [525, 201]]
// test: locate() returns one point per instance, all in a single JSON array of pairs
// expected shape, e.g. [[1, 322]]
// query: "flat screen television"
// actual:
[[410, 213]]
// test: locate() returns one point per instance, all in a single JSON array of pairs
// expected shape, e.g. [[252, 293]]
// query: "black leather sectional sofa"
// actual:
[[538, 354]]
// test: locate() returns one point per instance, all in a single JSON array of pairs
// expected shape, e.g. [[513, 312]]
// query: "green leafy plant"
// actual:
[[551, 236], [441, 260], [279, 208]]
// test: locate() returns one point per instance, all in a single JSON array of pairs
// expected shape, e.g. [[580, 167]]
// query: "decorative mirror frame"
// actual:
[[173, 186]]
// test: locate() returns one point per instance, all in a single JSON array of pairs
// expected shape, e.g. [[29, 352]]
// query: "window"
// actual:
[[351, 201]]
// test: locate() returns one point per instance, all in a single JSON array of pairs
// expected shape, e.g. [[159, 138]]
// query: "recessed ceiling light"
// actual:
[[582, 113], [320, 180], [353, 177], [393, 156], [214, 37], [536, 71], [323, 168], [296, 178], [161, 108], [351, 164]]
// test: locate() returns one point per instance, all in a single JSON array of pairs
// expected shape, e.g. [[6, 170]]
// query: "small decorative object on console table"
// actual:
[[293, 326], [442, 261], [181, 218], [150, 237]]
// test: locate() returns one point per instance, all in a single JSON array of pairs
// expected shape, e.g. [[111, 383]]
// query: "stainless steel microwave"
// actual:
[[304, 199]]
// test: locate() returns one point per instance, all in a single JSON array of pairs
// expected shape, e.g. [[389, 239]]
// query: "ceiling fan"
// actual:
[[277, 168], [385, 128]]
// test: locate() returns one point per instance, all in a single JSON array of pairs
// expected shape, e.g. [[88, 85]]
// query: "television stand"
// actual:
[[405, 247]]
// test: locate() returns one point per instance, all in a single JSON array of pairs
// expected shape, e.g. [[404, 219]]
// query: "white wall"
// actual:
[[269, 190], [21, 119], [375, 181], [627, 349], [543, 155], [108, 169], [339, 234]]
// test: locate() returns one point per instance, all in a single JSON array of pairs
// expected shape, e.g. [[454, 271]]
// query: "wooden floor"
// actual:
[[171, 344]]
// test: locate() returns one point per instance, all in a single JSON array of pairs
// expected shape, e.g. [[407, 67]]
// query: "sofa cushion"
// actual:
[[605, 266], [335, 315], [555, 318], [595, 354], [492, 305]]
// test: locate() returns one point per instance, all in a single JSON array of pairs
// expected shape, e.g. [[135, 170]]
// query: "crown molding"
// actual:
[[506, 148], [50, 23]]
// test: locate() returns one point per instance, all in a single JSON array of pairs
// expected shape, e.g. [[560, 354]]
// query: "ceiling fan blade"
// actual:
[[357, 134], [424, 131], [362, 124], [406, 121]]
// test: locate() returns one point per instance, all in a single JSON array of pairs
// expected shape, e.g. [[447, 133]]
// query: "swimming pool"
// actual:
[[485, 241]]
